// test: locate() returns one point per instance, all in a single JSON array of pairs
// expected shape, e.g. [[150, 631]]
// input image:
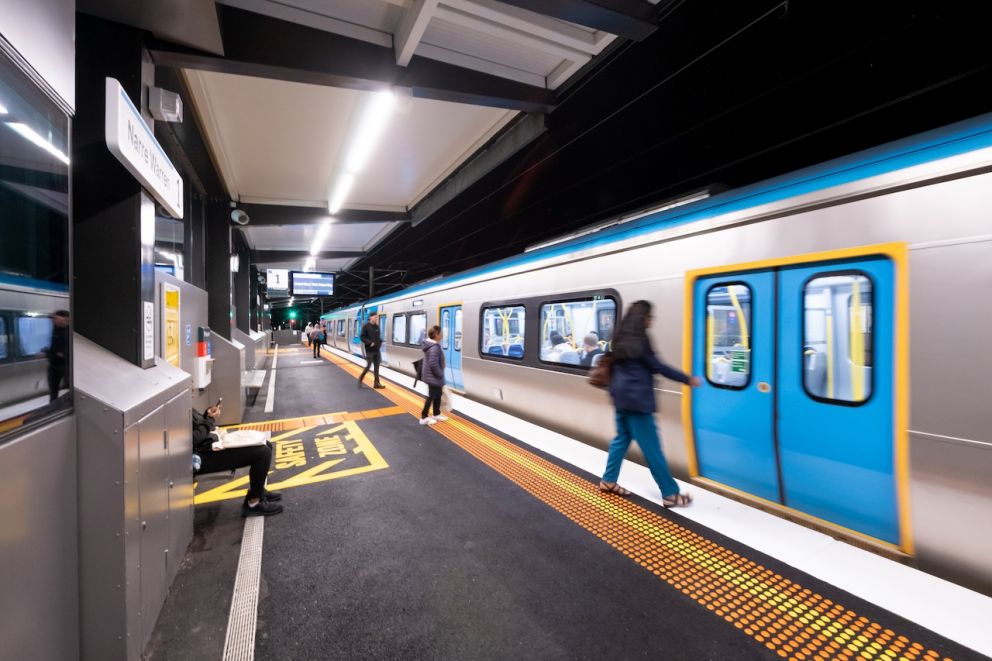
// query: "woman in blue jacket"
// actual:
[[432, 373], [632, 389]]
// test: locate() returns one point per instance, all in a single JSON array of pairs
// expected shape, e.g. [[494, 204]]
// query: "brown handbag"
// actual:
[[599, 376]]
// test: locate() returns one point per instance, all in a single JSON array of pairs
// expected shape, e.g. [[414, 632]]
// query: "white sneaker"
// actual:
[[427, 421], [440, 418]]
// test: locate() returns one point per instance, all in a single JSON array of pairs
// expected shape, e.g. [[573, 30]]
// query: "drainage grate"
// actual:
[[239, 645]]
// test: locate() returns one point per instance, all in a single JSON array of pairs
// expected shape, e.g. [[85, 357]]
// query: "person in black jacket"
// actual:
[[58, 352], [372, 339], [259, 501], [632, 389]]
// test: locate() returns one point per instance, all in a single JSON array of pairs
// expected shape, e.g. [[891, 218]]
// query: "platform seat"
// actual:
[[251, 381]]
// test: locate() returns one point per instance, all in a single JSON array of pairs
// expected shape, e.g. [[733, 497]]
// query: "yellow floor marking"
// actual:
[[792, 621]]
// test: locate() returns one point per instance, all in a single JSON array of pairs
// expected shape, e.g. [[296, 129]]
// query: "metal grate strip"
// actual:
[[239, 645]]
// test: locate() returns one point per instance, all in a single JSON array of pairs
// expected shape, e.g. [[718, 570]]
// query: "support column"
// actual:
[[242, 286], [217, 255], [113, 219], [254, 309]]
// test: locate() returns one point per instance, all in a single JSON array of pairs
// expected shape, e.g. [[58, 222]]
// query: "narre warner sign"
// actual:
[[135, 146]]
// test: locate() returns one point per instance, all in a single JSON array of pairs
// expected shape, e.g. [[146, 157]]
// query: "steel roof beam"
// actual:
[[266, 215], [264, 47], [632, 19]]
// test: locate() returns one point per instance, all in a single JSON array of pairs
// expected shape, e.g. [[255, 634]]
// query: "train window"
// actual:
[[837, 337], [574, 332], [418, 328], [728, 335], [503, 331], [458, 329], [34, 254], [340, 327], [445, 322], [399, 329]]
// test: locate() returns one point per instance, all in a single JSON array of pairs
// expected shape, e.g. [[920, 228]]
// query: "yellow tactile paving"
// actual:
[[315, 420], [793, 621]]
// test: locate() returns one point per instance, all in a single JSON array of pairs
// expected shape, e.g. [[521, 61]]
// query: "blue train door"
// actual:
[[382, 333], [451, 344], [733, 410], [797, 403]]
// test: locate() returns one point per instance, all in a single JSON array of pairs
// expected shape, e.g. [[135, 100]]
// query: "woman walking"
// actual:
[[632, 390], [432, 373]]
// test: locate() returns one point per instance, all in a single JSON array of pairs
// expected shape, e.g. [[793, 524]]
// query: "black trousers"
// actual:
[[259, 457], [372, 360], [316, 349], [433, 396], [56, 375]]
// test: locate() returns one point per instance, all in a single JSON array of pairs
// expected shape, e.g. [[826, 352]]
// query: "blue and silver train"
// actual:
[[835, 315]]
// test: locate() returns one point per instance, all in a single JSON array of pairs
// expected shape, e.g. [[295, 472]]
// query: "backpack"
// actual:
[[600, 375], [418, 367]]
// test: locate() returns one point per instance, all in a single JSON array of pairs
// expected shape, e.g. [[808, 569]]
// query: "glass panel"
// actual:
[[837, 337], [445, 322], [340, 327], [728, 335], [418, 328], [399, 330], [575, 332], [34, 253], [458, 329], [503, 331]]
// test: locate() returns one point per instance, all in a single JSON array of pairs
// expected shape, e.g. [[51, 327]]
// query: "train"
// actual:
[[833, 314]]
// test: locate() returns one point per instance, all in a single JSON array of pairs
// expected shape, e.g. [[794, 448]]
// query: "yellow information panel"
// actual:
[[309, 455], [170, 323]]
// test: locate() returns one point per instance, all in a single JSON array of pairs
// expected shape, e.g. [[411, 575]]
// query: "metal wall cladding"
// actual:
[[38, 560], [225, 379], [43, 32]]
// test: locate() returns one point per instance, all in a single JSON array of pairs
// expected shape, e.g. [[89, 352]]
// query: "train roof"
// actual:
[[952, 140]]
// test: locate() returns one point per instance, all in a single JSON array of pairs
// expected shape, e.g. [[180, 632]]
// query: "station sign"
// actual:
[[131, 140]]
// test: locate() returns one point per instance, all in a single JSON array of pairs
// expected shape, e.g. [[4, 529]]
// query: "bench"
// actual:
[[252, 380]]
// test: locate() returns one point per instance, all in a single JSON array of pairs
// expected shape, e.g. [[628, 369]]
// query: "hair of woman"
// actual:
[[631, 338], [433, 332]]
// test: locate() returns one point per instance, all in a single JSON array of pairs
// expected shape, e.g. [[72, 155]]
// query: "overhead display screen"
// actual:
[[277, 280], [308, 283]]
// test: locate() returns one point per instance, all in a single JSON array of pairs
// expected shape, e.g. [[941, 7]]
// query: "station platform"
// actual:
[[485, 537]]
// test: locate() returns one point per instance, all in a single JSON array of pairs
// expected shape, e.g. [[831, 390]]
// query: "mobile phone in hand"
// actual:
[[219, 400]]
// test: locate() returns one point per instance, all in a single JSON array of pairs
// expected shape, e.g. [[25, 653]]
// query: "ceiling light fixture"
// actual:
[[310, 264], [3, 109], [29, 133], [318, 240], [377, 111]]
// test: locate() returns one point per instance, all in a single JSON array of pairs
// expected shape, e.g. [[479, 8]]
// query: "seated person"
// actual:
[[259, 501], [590, 349], [557, 348]]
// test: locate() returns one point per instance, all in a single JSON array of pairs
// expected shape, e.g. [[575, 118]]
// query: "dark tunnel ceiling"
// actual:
[[723, 92]]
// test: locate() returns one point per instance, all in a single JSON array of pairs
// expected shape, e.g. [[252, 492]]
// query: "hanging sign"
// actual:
[[133, 143]]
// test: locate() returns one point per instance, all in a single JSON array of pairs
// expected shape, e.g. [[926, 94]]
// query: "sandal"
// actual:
[[606, 487], [678, 500]]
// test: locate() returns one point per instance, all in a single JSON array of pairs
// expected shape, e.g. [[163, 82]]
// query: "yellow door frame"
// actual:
[[898, 252]]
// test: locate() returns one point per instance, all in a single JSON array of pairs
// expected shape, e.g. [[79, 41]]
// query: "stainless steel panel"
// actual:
[[154, 515], [38, 549], [177, 415], [44, 32], [225, 380], [952, 507], [104, 585], [951, 369], [132, 545]]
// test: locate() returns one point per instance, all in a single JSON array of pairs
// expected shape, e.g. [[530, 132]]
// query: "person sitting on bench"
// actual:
[[259, 501]]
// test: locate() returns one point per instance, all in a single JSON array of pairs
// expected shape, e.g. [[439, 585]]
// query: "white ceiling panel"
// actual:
[[518, 54], [352, 236], [329, 265]]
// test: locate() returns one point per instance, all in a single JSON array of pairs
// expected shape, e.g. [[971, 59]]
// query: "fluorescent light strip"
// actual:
[[29, 133], [318, 240], [3, 109], [345, 182], [374, 119]]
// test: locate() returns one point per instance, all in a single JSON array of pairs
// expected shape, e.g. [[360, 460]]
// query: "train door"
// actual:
[[797, 402], [356, 336], [451, 344], [382, 334]]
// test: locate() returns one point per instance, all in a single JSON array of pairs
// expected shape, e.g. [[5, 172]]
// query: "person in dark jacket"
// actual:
[[58, 351], [259, 501], [632, 389], [590, 349], [372, 339], [432, 373]]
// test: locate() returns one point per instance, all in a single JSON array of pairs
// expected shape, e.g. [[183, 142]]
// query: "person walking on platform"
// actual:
[[259, 501], [432, 373], [306, 332], [632, 389], [372, 339], [314, 338]]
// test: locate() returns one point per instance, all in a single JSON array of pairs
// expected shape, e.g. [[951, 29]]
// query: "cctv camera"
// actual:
[[239, 217]]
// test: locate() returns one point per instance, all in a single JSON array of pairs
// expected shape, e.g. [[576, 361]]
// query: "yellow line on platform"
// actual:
[[792, 621]]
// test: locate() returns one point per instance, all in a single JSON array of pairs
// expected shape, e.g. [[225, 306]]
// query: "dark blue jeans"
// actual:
[[640, 427]]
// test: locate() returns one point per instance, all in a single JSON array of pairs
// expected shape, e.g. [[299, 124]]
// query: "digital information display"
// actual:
[[308, 283], [277, 280]]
